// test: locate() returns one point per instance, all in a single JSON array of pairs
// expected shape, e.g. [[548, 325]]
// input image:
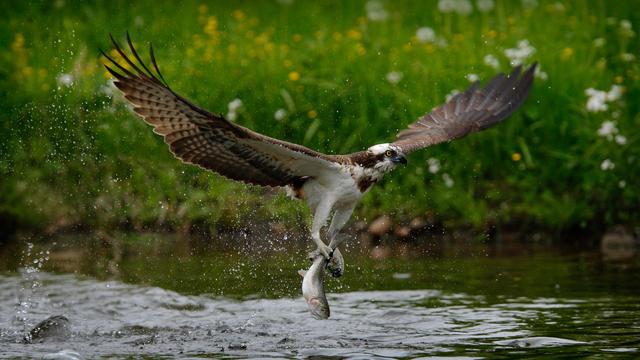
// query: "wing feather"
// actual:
[[196, 136], [473, 110]]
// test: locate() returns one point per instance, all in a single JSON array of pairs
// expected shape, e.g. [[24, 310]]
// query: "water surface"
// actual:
[[167, 296]]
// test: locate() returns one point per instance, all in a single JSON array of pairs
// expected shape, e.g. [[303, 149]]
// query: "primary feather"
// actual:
[[473, 110]]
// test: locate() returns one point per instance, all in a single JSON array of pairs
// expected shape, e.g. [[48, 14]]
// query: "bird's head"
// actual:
[[386, 157]]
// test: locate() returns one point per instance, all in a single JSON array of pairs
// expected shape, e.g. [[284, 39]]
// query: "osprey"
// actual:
[[330, 184]]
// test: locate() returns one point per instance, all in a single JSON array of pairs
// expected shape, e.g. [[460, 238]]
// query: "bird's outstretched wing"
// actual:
[[473, 110], [196, 136]]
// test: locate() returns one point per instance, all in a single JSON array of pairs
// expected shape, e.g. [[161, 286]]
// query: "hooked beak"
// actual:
[[399, 159]]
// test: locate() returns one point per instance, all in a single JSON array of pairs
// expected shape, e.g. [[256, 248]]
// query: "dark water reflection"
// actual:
[[240, 297]]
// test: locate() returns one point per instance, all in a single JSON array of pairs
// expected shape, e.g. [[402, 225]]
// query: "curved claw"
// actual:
[[323, 250], [335, 265]]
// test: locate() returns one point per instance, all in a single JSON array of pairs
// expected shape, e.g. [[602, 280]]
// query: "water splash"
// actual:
[[29, 285]]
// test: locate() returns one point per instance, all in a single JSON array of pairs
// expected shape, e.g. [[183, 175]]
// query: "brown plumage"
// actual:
[[199, 137], [473, 110], [208, 140]]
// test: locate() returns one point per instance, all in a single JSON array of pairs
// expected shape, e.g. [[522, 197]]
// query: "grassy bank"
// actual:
[[337, 77]]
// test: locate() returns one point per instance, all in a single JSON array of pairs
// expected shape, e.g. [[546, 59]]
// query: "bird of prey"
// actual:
[[330, 184]]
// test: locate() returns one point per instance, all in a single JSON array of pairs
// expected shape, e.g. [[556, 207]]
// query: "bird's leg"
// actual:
[[340, 218], [319, 219]]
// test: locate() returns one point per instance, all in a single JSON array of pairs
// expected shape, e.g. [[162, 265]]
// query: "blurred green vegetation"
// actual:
[[238, 269], [73, 155]]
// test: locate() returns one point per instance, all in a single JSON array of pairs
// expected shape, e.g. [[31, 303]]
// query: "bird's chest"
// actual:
[[364, 178]]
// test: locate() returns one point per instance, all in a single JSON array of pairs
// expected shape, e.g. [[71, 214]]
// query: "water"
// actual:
[[159, 297]]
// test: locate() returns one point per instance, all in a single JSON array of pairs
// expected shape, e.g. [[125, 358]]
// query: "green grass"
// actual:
[[75, 156]]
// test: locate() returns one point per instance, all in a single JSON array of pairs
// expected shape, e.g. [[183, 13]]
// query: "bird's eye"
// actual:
[[388, 153]]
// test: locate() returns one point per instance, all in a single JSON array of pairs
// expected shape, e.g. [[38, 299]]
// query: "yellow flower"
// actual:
[[567, 53], [297, 37], [294, 76], [618, 79], [312, 114], [360, 49], [516, 156], [288, 63], [212, 26], [458, 37], [202, 8], [27, 71], [491, 34], [354, 34], [18, 43], [239, 15]]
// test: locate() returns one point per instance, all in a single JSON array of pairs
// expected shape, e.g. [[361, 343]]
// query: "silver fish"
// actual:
[[313, 289]]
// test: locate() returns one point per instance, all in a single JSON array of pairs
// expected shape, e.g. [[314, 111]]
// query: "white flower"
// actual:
[[626, 29], [446, 6], [614, 93], [425, 34], [599, 42], [376, 11], [485, 5], [597, 101], [607, 164], [622, 184], [462, 7], [491, 61], [448, 181], [627, 57], [65, 80], [608, 129], [434, 165], [521, 53], [450, 95], [394, 77], [541, 74], [280, 114], [472, 77], [108, 88], [234, 105], [621, 139]]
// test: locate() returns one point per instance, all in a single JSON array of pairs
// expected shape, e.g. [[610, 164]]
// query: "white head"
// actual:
[[387, 157]]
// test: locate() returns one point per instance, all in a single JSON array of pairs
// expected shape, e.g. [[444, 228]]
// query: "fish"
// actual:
[[313, 289]]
